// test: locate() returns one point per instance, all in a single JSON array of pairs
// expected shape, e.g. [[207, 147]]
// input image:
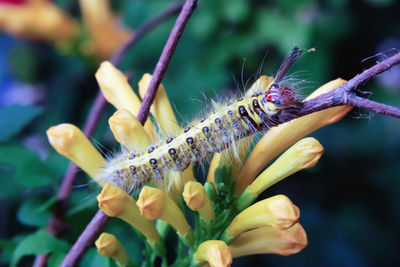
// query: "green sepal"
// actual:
[[245, 200], [210, 191]]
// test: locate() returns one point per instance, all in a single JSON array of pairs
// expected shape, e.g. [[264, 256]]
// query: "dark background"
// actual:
[[349, 202]]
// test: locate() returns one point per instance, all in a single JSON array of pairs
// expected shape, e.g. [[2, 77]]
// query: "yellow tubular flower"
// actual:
[[215, 252], [128, 131], [105, 28], [109, 246], [155, 204], [270, 240], [116, 203], [277, 212], [116, 89], [70, 142], [40, 20], [304, 154], [161, 107], [279, 138], [196, 199]]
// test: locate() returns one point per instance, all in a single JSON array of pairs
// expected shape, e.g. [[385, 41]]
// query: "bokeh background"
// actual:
[[349, 202]]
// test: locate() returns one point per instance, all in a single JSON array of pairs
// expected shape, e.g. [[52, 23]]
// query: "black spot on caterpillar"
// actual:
[[216, 132]]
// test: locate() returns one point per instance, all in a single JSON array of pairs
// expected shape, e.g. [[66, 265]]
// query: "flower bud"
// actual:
[[278, 212], [108, 246], [215, 252], [268, 240], [196, 199], [279, 138], [38, 21], [70, 142], [161, 107], [128, 131], [114, 202], [304, 154], [117, 91], [105, 29], [155, 204]]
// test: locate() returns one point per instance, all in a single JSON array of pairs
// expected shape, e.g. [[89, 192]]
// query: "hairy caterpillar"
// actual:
[[216, 132]]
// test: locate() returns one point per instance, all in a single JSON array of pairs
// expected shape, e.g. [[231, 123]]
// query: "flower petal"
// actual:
[[128, 131], [109, 246], [116, 89], [215, 252], [70, 142], [270, 240]]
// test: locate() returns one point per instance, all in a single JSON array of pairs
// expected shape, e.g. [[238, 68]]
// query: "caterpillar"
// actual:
[[216, 132]]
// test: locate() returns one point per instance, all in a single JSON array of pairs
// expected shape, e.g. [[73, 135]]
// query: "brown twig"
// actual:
[[348, 94], [56, 223], [95, 226], [165, 57]]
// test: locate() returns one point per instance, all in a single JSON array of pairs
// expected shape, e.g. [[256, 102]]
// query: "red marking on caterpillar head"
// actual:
[[280, 95]]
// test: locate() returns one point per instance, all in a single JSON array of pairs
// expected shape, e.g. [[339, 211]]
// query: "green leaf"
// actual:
[[7, 247], [35, 211], [29, 170], [36, 244], [14, 118], [56, 259]]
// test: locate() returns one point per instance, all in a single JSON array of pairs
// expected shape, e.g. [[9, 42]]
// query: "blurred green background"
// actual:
[[349, 202]]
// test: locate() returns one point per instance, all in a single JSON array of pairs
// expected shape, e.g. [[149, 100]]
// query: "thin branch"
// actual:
[[347, 94], [165, 57], [96, 225], [56, 224]]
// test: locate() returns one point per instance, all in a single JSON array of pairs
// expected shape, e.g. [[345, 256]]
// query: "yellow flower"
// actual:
[[304, 154], [116, 203], [37, 20], [70, 142], [109, 246], [106, 31], [116, 89], [280, 137], [270, 240], [214, 252], [277, 212], [155, 204], [128, 131], [161, 108], [196, 199]]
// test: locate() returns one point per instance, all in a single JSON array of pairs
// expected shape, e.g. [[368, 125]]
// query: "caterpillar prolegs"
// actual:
[[223, 126]]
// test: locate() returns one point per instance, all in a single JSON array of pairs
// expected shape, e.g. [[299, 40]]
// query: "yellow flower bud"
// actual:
[[38, 21], [161, 108], [270, 240], [196, 199], [108, 246], [105, 29], [114, 202], [155, 204], [215, 252], [278, 212], [261, 85], [304, 154], [70, 142], [116, 89], [128, 131], [279, 138]]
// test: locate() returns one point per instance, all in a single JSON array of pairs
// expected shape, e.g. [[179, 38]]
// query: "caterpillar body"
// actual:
[[215, 133]]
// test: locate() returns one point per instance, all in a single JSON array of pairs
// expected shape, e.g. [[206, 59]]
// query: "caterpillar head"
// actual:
[[280, 95]]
